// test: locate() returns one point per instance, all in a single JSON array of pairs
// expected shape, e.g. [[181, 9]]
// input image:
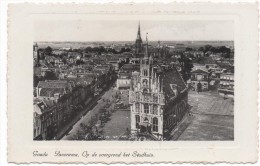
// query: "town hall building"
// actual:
[[158, 99]]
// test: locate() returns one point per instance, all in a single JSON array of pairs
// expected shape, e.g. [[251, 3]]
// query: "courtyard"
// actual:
[[211, 118]]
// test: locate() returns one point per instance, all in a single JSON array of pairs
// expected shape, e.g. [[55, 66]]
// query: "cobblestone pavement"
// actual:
[[113, 129], [210, 103], [212, 118]]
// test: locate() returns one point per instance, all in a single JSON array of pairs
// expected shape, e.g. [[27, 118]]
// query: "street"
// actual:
[[86, 118], [212, 118], [118, 122]]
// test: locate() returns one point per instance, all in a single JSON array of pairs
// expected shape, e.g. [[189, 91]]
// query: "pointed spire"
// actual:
[[146, 48], [138, 41], [139, 31]]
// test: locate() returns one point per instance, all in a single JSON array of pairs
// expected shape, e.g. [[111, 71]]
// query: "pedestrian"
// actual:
[[198, 87]]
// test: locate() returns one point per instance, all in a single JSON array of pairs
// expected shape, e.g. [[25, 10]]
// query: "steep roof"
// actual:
[[49, 92], [53, 84], [130, 67], [39, 107], [199, 71], [172, 77]]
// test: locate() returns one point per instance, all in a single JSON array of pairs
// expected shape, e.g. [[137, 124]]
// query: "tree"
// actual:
[[48, 50], [188, 49], [202, 49], [186, 66], [79, 62], [88, 49], [207, 48], [50, 76], [64, 60]]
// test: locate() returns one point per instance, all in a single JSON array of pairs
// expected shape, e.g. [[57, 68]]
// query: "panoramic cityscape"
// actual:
[[140, 90]]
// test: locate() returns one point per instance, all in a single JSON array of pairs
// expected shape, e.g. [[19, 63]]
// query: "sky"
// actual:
[[120, 30]]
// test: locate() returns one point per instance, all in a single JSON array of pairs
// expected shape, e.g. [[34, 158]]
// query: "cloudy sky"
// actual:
[[103, 30]]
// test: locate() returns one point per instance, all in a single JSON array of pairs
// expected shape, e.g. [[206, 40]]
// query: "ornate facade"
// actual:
[[158, 99], [146, 99]]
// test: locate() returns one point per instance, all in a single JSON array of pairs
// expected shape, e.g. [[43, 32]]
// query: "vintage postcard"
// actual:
[[132, 83]]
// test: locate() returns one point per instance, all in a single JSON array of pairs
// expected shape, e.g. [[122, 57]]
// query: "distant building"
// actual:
[[139, 51], [115, 64], [123, 81], [226, 85], [125, 74], [200, 76]]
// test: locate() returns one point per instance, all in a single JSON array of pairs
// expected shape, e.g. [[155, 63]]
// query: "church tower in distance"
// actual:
[[138, 42]]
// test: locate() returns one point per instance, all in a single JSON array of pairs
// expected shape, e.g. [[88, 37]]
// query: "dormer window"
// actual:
[[174, 89]]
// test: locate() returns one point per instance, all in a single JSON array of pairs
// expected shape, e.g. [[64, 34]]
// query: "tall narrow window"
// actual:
[[155, 124], [137, 121], [155, 109], [146, 108], [137, 97], [145, 73], [137, 107]]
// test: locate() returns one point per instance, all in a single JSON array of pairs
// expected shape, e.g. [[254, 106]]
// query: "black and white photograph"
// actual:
[[133, 80], [132, 83]]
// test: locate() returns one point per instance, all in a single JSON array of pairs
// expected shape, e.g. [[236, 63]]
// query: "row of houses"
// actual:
[[56, 102]]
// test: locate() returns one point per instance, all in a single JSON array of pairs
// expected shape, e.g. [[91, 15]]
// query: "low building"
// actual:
[[201, 77], [226, 85], [123, 81]]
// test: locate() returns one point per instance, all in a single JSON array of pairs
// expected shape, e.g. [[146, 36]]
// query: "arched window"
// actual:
[[146, 108], [145, 82], [137, 121], [145, 90], [146, 119], [155, 124]]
